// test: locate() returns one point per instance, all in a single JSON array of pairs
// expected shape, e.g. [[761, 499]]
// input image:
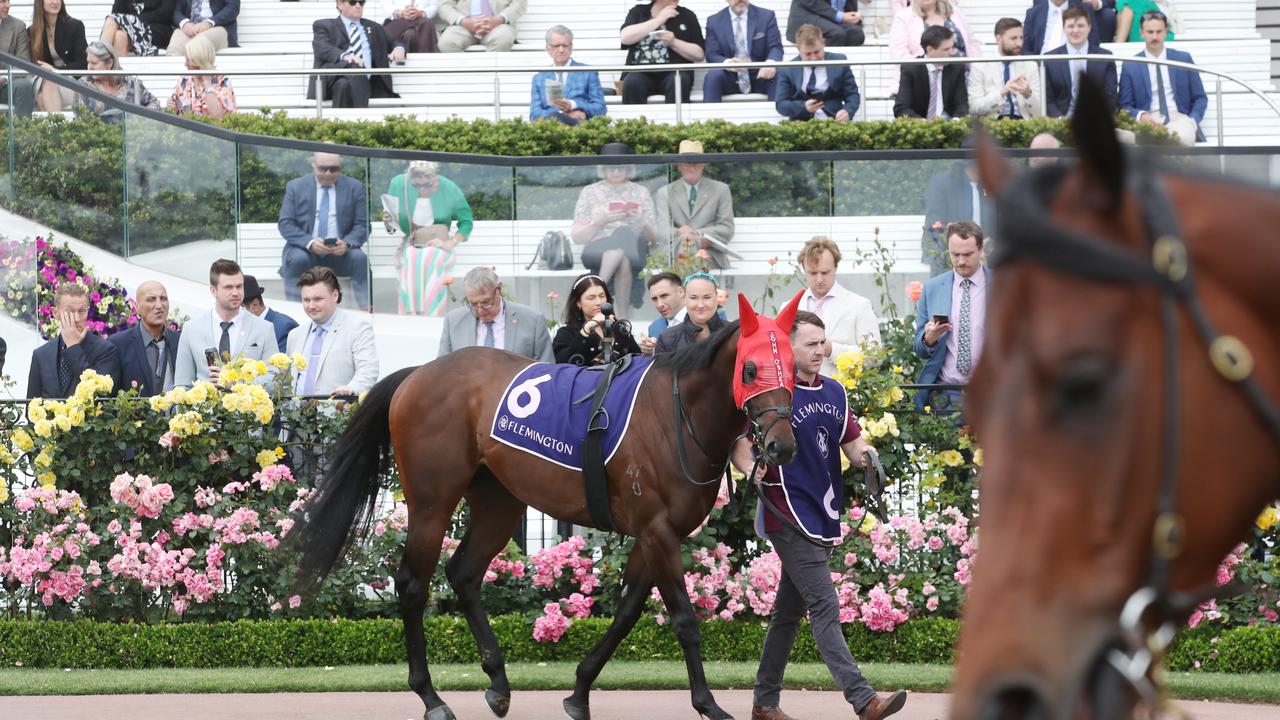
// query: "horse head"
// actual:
[[764, 378], [1102, 416]]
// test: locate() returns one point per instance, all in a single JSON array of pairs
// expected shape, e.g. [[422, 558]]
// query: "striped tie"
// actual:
[[357, 41]]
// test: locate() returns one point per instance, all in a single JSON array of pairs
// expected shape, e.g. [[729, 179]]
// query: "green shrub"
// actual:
[[1253, 648]]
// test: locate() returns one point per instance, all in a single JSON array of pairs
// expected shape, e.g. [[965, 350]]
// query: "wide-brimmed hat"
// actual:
[[691, 147], [252, 290], [615, 148]]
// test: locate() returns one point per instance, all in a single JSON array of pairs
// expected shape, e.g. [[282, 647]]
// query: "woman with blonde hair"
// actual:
[[57, 43], [204, 95], [427, 217], [910, 22]]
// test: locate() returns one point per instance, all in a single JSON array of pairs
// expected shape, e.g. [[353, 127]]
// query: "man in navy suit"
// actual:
[[324, 221], [741, 32], [215, 19], [839, 21], [1182, 104], [57, 364], [581, 96], [149, 349], [254, 303], [1043, 29], [951, 347], [1062, 79], [824, 92]]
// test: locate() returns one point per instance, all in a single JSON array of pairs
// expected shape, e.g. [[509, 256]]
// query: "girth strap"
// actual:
[[594, 477]]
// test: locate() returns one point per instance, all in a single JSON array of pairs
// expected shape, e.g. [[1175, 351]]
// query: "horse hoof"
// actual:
[[714, 713], [441, 712], [498, 704], [575, 709]]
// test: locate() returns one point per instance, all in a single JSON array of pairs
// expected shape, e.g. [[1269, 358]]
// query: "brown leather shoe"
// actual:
[[770, 712], [883, 707]]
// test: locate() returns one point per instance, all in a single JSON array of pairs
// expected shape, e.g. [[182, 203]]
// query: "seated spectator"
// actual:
[[1043, 24], [615, 219], [1043, 141], [490, 320], [1062, 79], [214, 20], [491, 23], [1160, 95], [255, 304], [15, 40], [1010, 89], [149, 349], [203, 95], [740, 33], [695, 209], [848, 316], [57, 364], [428, 217], [211, 339], [838, 20], [578, 339], [826, 92], [909, 25], [142, 28], [701, 319], [342, 358], [57, 42], [412, 23], [324, 220], [1128, 16], [349, 41], [952, 195], [666, 292], [569, 97], [129, 89], [660, 33], [933, 91]]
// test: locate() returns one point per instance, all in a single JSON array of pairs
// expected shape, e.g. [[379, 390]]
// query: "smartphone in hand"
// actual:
[[941, 319]]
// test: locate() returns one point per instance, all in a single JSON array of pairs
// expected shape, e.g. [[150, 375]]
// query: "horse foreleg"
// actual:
[[413, 584]]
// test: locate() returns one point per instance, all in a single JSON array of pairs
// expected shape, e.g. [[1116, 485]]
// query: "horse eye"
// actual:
[[1082, 389], [748, 373]]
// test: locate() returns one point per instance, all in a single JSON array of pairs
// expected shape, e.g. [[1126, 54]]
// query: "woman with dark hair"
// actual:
[[702, 319], [139, 26], [57, 42], [578, 340], [660, 33]]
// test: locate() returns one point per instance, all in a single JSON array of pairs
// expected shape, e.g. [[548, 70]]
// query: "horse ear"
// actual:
[[1102, 161], [993, 170], [787, 318], [747, 316]]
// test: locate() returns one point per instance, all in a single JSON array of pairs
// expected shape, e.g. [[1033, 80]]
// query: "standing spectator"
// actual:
[[488, 22], [569, 97], [910, 23], [202, 95], [826, 93], [324, 220], [149, 349], [141, 27], [1160, 95], [961, 295], [1128, 19], [129, 89], [952, 195], [350, 41], [490, 320], [616, 221], [214, 20], [342, 358], [839, 21], [740, 33], [701, 317], [227, 331], [15, 40], [255, 304], [411, 23], [666, 292], [578, 339], [848, 316], [1010, 89], [1062, 79], [1044, 29], [660, 33], [57, 364], [933, 91], [425, 257], [57, 42], [694, 209]]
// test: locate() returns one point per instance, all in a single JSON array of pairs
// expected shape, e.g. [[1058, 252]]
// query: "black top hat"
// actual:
[[252, 290], [615, 148]]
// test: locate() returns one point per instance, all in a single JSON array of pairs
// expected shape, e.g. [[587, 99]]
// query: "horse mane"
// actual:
[[697, 356]]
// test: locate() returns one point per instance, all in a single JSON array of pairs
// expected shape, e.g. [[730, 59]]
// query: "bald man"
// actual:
[[325, 221], [149, 349], [1043, 141]]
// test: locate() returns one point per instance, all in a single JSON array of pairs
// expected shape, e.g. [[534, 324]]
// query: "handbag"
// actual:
[[554, 252]]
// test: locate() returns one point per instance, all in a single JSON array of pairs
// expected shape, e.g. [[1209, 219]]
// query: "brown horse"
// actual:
[[663, 482], [1129, 444]]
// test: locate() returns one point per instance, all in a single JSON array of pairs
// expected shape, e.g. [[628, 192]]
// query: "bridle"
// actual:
[[754, 431], [1026, 233]]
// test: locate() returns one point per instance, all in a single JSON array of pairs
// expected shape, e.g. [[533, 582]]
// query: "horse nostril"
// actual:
[[784, 454], [1015, 702]]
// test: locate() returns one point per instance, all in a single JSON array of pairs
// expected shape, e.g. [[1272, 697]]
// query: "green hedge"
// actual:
[[1238, 650]]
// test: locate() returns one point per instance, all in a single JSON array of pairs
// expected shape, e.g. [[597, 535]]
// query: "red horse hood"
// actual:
[[766, 342]]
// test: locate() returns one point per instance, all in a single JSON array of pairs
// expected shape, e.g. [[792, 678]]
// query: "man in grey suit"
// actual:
[[694, 209], [225, 332], [15, 41], [342, 358], [489, 320], [325, 221]]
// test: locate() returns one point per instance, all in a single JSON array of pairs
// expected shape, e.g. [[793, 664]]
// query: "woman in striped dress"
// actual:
[[425, 258]]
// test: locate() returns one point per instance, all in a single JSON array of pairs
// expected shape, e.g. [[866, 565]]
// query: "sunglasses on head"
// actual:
[[1154, 15], [329, 168]]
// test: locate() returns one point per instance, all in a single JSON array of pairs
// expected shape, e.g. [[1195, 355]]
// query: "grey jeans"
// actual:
[[805, 584]]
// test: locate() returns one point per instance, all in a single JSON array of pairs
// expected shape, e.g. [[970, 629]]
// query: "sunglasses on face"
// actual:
[[425, 184], [329, 168], [355, 2]]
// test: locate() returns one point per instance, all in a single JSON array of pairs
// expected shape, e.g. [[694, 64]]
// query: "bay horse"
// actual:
[[663, 481], [1125, 402]]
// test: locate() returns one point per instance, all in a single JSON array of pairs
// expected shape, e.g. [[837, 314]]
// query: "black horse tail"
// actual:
[[340, 510]]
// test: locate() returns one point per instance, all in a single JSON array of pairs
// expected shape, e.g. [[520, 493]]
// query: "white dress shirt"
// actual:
[[1054, 37], [237, 324], [1168, 85]]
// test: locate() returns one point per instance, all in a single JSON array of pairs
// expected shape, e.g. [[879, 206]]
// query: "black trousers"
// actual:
[[637, 87], [350, 92]]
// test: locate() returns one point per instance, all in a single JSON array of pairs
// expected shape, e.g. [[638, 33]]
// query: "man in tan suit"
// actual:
[[694, 209], [490, 22], [15, 41]]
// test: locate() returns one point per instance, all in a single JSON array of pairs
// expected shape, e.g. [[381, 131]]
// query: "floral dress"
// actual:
[[187, 98]]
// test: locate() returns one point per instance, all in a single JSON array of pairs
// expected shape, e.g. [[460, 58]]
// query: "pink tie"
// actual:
[[486, 8]]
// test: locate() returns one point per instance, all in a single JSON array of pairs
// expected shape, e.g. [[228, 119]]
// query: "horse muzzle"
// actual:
[[1102, 692], [778, 452]]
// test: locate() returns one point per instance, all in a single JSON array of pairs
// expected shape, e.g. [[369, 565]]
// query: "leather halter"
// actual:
[[1026, 233]]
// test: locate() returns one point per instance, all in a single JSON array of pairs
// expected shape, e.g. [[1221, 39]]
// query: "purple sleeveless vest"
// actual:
[[812, 483]]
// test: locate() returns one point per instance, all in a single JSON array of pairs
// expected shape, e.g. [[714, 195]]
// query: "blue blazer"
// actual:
[[582, 88], [224, 15], [134, 368], [1033, 24], [282, 323], [1188, 90], [298, 213], [764, 41], [1057, 78], [842, 91], [92, 352], [936, 300]]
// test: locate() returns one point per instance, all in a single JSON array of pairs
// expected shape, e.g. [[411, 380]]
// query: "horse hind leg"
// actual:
[[413, 584]]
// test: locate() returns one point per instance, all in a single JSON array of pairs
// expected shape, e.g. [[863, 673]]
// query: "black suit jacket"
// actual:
[[329, 42], [93, 352], [1033, 24], [68, 40], [913, 92], [134, 367], [814, 12], [1057, 79]]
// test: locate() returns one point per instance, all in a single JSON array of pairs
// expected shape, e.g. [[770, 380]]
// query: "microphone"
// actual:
[[607, 311]]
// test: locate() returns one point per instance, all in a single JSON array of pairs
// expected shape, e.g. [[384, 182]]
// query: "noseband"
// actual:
[[1026, 233], [755, 432]]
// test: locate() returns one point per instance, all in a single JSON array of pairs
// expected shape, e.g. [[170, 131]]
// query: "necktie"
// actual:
[[1164, 102], [740, 39], [693, 197], [486, 8], [1012, 105], [933, 93], [1053, 33], [812, 87], [322, 215], [488, 334], [1077, 69], [964, 340], [224, 342], [976, 194], [313, 362], [357, 41], [64, 373]]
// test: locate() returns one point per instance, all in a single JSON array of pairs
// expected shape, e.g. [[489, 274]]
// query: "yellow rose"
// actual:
[[6, 457], [46, 479], [897, 394], [280, 361], [279, 452], [898, 370], [62, 422], [44, 459], [266, 458], [951, 458], [4, 493], [44, 428], [1267, 519], [179, 396], [199, 391], [160, 403], [977, 457], [229, 375], [868, 523], [35, 410], [22, 440], [299, 362], [260, 367]]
